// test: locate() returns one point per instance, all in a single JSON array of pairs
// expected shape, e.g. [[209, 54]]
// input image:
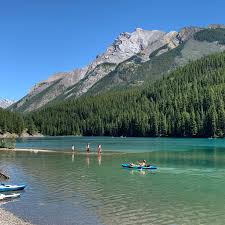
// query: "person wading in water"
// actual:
[[99, 149], [88, 148]]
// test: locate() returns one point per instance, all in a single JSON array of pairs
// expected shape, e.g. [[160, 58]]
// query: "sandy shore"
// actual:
[[29, 150], [59, 152], [7, 218]]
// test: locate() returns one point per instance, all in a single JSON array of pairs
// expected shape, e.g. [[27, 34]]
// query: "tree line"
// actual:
[[16, 123], [11, 122]]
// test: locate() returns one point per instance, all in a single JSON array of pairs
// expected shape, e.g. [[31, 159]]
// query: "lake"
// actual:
[[188, 187]]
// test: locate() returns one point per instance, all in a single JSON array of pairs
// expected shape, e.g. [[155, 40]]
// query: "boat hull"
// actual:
[[4, 188], [4, 197]]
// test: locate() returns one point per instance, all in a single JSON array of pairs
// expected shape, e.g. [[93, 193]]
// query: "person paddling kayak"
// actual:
[[143, 163], [137, 166]]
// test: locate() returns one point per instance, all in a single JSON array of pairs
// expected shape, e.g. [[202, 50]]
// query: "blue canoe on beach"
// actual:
[[8, 187], [127, 165]]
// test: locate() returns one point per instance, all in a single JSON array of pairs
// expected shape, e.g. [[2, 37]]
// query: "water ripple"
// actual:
[[61, 191]]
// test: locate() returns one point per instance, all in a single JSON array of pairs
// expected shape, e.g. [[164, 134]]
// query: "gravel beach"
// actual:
[[7, 218]]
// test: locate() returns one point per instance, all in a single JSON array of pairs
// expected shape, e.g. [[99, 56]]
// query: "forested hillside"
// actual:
[[211, 35], [11, 122], [16, 123], [189, 102]]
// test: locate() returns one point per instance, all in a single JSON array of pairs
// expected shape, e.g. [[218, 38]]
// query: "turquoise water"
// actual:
[[121, 144], [188, 188]]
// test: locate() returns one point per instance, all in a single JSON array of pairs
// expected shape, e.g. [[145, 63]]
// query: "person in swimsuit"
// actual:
[[88, 148], [99, 149]]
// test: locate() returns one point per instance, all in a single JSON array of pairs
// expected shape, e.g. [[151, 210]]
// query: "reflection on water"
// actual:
[[88, 159], [99, 159], [73, 157], [141, 172], [84, 188]]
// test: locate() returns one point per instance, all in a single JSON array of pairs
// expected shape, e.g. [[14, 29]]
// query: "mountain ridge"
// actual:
[[140, 44]]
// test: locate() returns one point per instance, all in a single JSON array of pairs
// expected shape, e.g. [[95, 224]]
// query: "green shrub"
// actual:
[[9, 143]]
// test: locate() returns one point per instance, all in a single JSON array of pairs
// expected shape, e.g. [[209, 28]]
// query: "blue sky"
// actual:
[[41, 37]]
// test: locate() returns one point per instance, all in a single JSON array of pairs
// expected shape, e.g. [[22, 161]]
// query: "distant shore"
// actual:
[[23, 135], [7, 218]]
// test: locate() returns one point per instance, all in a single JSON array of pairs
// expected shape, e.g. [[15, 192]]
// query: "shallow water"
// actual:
[[121, 144], [78, 189]]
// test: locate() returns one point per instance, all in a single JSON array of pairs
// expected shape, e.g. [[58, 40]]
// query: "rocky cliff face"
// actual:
[[5, 103], [144, 44], [46, 91]]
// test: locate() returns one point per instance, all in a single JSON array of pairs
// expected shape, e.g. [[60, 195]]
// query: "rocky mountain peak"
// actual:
[[187, 32], [126, 45], [5, 103]]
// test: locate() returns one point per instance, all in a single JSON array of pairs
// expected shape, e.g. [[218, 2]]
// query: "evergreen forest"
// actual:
[[187, 103]]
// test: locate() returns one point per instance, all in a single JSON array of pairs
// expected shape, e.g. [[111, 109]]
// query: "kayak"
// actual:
[[7, 187], [127, 165], [3, 197]]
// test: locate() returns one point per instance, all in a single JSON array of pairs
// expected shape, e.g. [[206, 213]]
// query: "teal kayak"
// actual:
[[128, 165], [8, 187]]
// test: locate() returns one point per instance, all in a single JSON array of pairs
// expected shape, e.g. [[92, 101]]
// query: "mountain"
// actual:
[[190, 101], [5, 103], [132, 59]]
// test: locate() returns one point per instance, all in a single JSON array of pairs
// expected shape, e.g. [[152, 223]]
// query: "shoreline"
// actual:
[[76, 152], [8, 218]]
